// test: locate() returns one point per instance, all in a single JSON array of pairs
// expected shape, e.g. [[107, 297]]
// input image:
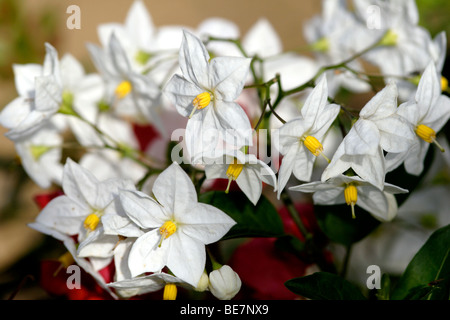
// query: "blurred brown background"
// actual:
[[24, 27]]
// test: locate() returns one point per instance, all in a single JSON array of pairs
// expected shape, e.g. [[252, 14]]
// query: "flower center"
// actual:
[[427, 134], [201, 101], [123, 89], [166, 230], [313, 145], [170, 292], [37, 151], [321, 45], [142, 57], [389, 39], [91, 222], [233, 172], [66, 106], [351, 196]]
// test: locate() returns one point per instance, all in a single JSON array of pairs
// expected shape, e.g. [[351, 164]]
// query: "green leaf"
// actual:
[[429, 267], [324, 286], [261, 220], [339, 226]]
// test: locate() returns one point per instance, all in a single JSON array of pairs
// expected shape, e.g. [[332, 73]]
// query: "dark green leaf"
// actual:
[[290, 244], [339, 226], [261, 220], [429, 267], [324, 286]]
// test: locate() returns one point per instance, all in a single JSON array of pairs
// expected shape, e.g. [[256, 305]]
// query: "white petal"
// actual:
[[139, 24], [262, 40], [181, 93], [396, 134], [146, 256], [194, 59], [227, 76], [186, 259], [205, 223], [142, 209], [98, 244], [250, 183], [383, 104], [316, 101], [64, 215], [174, 190], [24, 76], [428, 90], [363, 138]]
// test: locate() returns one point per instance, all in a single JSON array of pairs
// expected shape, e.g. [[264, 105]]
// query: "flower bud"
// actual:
[[224, 283]]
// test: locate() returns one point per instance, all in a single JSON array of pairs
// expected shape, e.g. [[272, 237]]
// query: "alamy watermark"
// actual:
[[74, 19]]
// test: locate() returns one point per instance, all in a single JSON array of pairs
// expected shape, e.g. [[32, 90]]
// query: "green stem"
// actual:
[[294, 214]]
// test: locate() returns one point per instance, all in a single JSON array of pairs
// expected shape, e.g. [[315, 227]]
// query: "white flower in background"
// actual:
[[150, 49], [128, 93], [331, 35], [299, 139], [248, 172], [224, 283], [354, 191], [426, 113], [404, 48], [40, 96], [378, 127], [179, 225], [86, 201], [40, 156], [219, 28], [206, 93]]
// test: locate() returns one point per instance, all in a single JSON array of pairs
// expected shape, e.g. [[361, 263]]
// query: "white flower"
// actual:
[[40, 156], [86, 201], [427, 113], [180, 227], [355, 191], [128, 93], [331, 35], [147, 47], [298, 140], [378, 127], [206, 93], [40, 96], [224, 283], [248, 172]]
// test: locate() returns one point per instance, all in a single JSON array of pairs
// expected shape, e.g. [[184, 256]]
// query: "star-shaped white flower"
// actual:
[[86, 201], [179, 225], [355, 191], [378, 127], [426, 113], [248, 172], [299, 139], [40, 96], [207, 92]]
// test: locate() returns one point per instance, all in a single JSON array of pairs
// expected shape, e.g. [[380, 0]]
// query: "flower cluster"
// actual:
[[127, 202]]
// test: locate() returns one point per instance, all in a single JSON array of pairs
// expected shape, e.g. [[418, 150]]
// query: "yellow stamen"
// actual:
[[313, 145], [123, 89], [170, 292], [166, 230], [66, 260], [444, 84], [201, 101], [233, 172], [351, 196], [91, 222], [427, 134]]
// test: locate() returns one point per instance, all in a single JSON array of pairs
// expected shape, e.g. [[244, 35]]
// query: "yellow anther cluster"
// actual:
[[91, 222], [123, 89], [313, 145], [170, 292], [351, 196], [233, 172], [426, 133], [167, 229]]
